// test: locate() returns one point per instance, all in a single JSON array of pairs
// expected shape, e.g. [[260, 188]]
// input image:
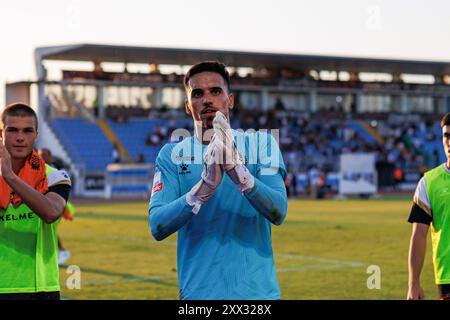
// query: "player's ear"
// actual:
[[230, 101], [186, 106]]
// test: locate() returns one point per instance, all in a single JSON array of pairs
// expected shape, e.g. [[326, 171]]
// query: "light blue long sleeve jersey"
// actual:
[[225, 250]]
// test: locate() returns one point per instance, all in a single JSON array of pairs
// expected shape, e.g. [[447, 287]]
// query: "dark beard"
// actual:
[[208, 123]]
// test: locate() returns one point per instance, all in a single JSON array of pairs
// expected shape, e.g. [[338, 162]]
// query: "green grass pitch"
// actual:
[[322, 251]]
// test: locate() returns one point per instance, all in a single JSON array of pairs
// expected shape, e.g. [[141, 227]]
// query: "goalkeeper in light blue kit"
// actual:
[[221, 190]]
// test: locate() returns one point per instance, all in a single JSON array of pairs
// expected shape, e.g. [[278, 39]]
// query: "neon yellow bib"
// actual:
[[438, 189], [28, 251]]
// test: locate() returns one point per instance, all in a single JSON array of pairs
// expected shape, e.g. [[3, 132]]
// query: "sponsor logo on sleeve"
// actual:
[[157, 183]]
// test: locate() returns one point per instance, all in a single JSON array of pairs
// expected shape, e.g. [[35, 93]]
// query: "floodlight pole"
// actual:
[[101, 102], [41, 75]]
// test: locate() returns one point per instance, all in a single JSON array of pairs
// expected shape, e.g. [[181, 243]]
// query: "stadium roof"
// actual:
[[179, 56]]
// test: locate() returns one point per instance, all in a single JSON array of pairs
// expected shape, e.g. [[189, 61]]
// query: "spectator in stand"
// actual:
[[153, 139], [154, 75], [398, 176], [279, 104], [98, 72], [116, 158], [140, 158]]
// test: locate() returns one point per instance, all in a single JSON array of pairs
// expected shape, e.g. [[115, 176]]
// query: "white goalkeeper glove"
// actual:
[[210, 179], [233, 164]]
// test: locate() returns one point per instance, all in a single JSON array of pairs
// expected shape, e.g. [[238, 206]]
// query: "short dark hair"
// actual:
[[445, 121], [208, 66], [18, 110]]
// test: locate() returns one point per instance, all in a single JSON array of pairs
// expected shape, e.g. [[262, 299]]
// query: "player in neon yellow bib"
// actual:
[[28, 222], [431, 207]]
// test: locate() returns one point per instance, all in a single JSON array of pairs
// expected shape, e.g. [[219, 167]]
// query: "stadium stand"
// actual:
[[318, 118], [306, 139], [85, 142], [133, 135]]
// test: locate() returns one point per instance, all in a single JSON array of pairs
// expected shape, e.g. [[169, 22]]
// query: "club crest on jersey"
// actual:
[[184, 169]]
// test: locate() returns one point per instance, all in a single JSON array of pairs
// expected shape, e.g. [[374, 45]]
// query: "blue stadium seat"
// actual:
[[84, 141], [360, 131], [133, 134]]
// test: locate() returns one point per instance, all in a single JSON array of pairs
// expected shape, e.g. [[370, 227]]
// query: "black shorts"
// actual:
[[31, 296], [444, 291]]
